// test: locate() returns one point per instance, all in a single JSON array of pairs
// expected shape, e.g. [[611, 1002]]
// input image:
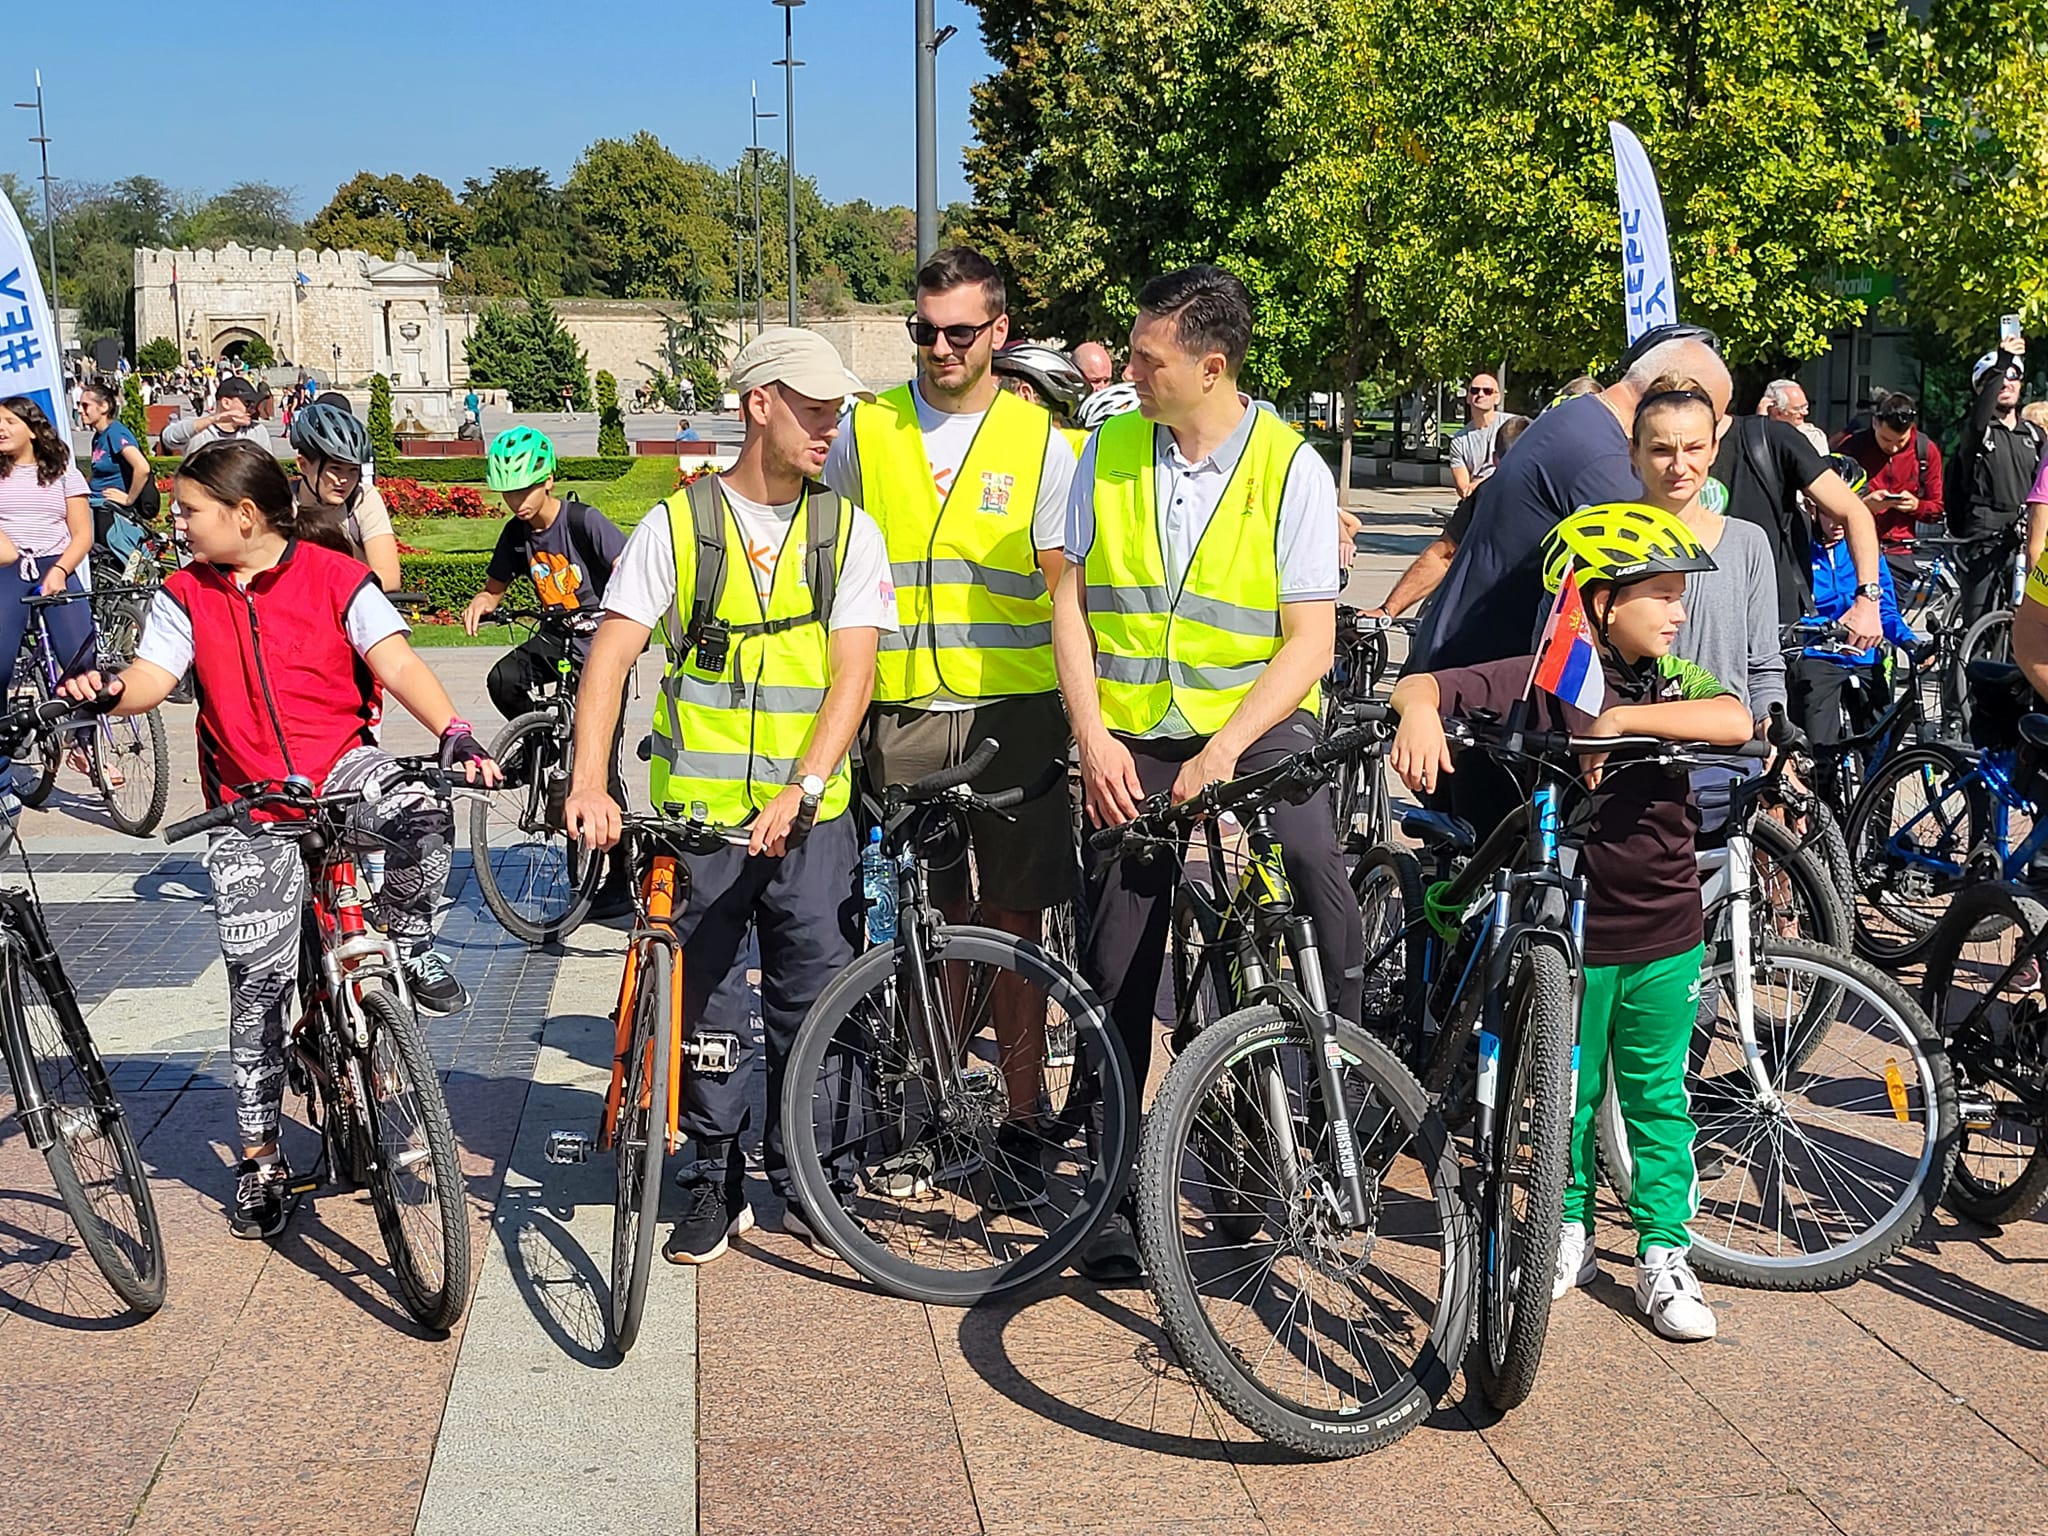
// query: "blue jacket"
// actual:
[[1834, 593]]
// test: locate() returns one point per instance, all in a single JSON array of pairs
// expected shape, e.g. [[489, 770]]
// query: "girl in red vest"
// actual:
[[287, 642]]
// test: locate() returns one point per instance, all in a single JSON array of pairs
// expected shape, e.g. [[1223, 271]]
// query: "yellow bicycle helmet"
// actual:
[[1619, 542]]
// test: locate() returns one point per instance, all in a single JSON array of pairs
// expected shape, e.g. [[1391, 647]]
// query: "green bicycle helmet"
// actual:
[[519, 457], [1853, 474], [1621, 542]]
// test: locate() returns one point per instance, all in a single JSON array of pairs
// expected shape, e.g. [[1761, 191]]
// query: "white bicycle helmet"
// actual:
[[1985, 364], [1105, 403], [1046, 369]]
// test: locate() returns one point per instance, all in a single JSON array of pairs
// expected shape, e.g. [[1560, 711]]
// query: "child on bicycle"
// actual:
[[286, 641], [1635, 832]]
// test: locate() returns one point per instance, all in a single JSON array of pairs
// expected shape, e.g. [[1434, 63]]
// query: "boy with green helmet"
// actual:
[[1634, 830], [519, 457]]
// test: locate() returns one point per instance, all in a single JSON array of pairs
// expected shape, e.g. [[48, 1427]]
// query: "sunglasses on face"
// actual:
[[959, 337], [1481, 390], [1899, 418]]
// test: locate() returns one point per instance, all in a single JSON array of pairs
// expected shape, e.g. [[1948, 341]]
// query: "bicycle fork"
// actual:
[[1329, 1067]]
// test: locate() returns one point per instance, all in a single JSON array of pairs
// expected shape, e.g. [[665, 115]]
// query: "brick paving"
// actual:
[[282, 1390]]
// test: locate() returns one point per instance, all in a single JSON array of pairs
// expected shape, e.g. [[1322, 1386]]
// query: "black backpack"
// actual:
[[821, 567]]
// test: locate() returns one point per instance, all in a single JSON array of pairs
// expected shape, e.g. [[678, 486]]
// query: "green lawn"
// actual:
[[625, 501]]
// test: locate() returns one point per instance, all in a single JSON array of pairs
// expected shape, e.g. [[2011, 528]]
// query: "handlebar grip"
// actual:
[[1781, 732], [966, 771], [205, 821], [1003, 799], [1104, 839], [806, 818], [1754, 749]]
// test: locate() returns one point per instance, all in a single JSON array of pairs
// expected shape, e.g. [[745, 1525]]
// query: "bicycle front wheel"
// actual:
[[92, 1156], [415, 1177], [131, 765], [950, 1180], [35, 774], [1989, 639], [1323, 1336], [1831, 1164], [536, 879], [1524, 1208], [1911, 836], [1996, 1026], [639, 1140]]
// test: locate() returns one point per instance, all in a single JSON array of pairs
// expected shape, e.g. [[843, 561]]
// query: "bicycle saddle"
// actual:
[[1438, 829], [1987, 673]]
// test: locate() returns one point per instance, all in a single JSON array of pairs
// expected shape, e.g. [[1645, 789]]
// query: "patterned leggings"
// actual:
[[259, 894]]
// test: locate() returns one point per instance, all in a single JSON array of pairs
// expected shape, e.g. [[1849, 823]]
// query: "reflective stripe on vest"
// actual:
[[1202, 649], [732, 740], [976, 617]]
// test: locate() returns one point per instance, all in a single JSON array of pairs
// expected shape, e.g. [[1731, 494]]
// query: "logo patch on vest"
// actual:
[[995, 492]]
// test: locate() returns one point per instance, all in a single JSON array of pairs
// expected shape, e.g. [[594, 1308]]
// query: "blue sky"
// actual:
[[144, 88]]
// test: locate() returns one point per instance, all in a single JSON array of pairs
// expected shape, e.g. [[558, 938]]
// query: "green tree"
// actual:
[[611, 421], [652, 218], [385, 214], [252, 214], [157, 356], [383, 443], [873, 249], [134, 412], [524, 229], [257, 353], [528, 353]]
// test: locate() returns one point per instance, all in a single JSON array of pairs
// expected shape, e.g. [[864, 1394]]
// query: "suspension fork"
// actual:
[[1329, 1060]]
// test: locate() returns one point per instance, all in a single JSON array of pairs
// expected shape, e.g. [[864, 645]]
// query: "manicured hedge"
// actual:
[[468, 471], [450, 581]]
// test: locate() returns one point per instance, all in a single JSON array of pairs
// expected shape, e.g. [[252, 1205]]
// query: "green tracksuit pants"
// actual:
[[1634, 1030]]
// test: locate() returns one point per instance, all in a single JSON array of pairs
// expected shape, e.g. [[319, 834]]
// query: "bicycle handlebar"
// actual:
[[1483, 733], [693, 833], [299, 795], [966, 771]]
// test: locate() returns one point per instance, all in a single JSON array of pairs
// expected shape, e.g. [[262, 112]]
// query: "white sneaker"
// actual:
[[1577, 1264], [1668, 1294]]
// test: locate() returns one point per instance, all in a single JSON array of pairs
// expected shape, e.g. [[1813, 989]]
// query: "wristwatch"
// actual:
[[1872, 590], [812, 786]]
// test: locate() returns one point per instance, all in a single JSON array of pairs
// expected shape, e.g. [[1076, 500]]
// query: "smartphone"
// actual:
[[2008, 331]]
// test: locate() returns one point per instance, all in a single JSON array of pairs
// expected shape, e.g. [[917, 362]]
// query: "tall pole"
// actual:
[[927, 133], [739, 252], [790, 63], [760, 288], [42, 140]]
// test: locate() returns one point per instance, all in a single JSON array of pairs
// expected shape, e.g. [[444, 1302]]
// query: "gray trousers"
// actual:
[[259, 895], [803, 908]]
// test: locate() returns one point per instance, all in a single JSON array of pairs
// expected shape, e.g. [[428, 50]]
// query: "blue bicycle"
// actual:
[[1937, 817]]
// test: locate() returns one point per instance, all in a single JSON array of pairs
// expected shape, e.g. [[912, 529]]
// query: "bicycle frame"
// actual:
[[1994, 770], [667, 880], [25, 940]]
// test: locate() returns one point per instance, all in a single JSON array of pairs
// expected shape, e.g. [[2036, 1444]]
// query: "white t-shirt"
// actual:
[[947, 438], [167, 635], [643, 583]]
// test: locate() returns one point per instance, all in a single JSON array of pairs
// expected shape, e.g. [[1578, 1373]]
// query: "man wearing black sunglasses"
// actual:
[[1904, 467], [969, 483]]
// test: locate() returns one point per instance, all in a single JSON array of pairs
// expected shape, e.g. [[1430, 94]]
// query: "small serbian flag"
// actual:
[[1568, 663]]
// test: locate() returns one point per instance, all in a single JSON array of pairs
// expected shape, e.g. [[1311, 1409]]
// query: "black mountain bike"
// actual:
[[906, 1141], [1297, 1196], [1362, 801], [537, 880], [357, 1054], [63, 1094]]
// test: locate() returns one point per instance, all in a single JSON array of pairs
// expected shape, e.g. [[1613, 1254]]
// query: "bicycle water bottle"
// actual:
[[878, 887]]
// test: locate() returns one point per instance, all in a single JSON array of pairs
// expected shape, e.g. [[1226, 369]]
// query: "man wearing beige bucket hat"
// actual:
[[772, 593]]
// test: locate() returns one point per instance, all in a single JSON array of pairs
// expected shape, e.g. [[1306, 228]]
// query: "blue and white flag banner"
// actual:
[[29, 364], [1647, 289]]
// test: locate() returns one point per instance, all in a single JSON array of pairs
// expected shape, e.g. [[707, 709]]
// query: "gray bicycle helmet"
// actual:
[[1105, 403], [1046, 369], [328, 432]]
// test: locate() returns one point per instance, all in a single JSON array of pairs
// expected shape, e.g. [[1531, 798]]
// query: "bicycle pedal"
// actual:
[[713, 1053], [305, 1184], [1976, 1114], [570, 1147]]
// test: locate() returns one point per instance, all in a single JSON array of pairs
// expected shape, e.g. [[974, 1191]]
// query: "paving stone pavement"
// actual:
[[282, 1390]]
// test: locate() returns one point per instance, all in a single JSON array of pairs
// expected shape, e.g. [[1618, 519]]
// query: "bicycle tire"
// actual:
[[640, 1142], [149, 745], [401, 1068], [1991, 1185], [1386, 883], [33, 786], [1413, 1386], [1988, 639], [1518, 1252], [853, 1039], [1899, 904], [105, 1190], [1722, 1094], [532, 898], [1789, 877]]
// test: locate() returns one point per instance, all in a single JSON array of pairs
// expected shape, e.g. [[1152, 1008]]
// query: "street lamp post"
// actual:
[[42, 141], [760, 292], [739, 253], [790, 64], [929, 42]]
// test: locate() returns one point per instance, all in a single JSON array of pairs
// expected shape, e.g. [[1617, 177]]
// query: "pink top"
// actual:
[[2040, 490], [32, 515]]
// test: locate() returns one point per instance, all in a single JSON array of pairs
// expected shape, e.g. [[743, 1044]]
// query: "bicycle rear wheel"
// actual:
[[35, 774], [1911, 836], [1989, 639], [1833, 1169], [1329, 1340], [1524, 1205], [537, 881], [131, 765], [1387, 883], [414, 1175], [93, 1160], [1793, 894], [1999, 1054], [639, 1141], [946, 1194]]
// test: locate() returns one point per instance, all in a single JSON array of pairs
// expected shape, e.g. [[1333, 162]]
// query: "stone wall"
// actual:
[[234, 294]]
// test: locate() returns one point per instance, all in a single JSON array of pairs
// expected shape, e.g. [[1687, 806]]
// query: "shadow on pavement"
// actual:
[[31, 1258], [557, 1280], [1989, 1311]]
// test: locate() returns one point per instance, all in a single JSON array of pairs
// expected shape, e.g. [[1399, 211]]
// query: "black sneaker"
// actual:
[[433, 983], [797, 1224], [709, 1223], [1016, 1177], [261, 1202]]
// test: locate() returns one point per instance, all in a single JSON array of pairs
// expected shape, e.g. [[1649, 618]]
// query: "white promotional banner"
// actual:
[[1647, 290], [29, 364]]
